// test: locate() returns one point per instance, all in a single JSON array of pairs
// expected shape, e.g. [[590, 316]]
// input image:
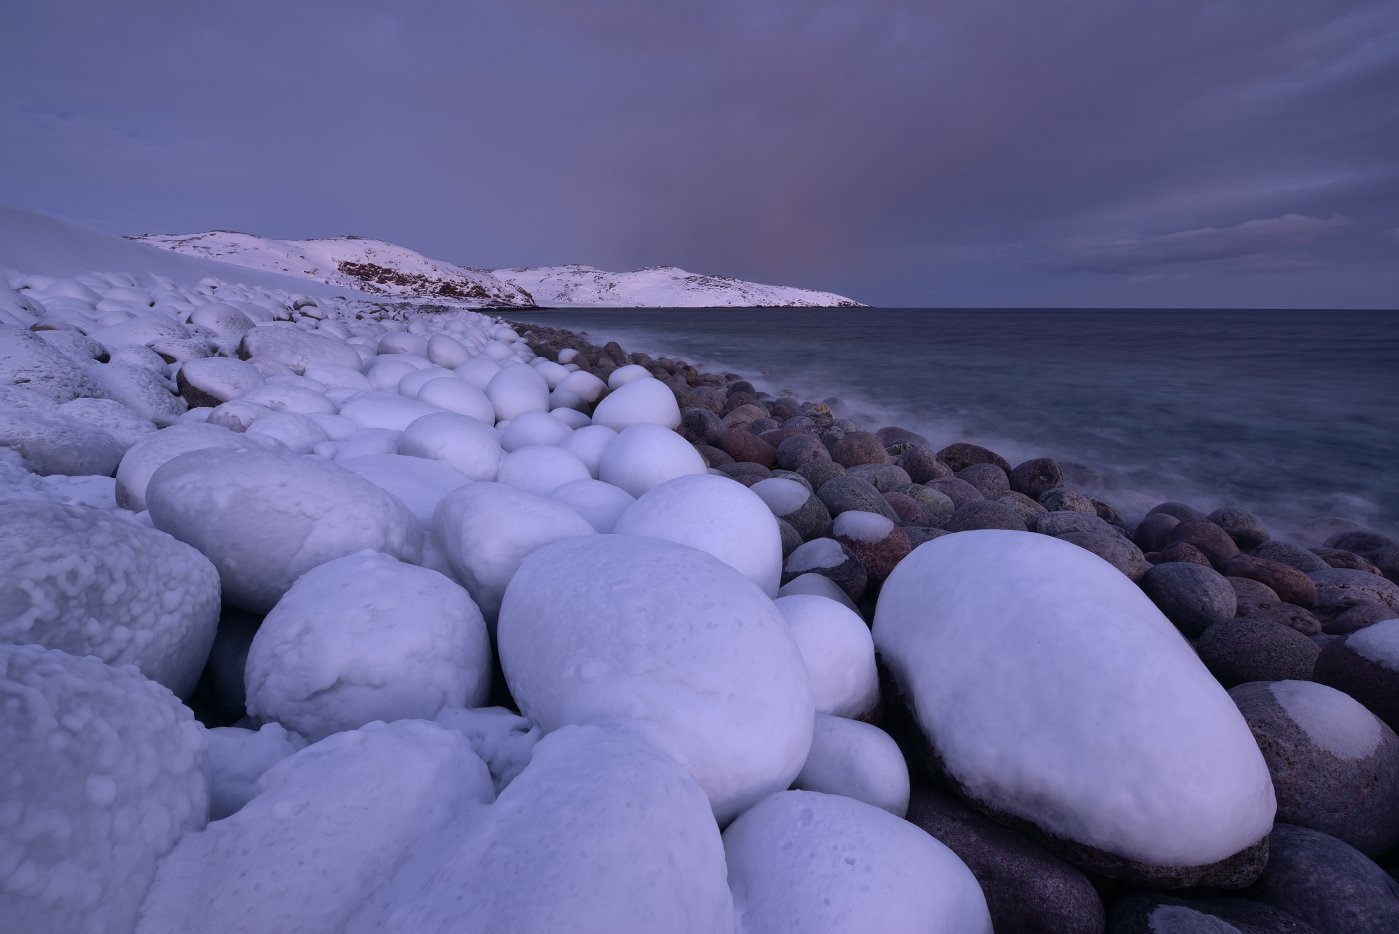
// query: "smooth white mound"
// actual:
[[53, 443], [862, 526], [486, 529], [221, 378], [671, 640], [645, 456], [516, 390], [856, 760], [237, 759], [533, 428], [782, 496], [588, 444], [118, 420], [264, 518], [385, 410], [644, 401], [327, 826], [627, 374], [365, 638], [86, 582], [1056, 692], [600, 503], [104, 771], [453, 394], [468, 446], [148, 455], [838, 652], [811, 863], [715, 515], [600, 833], [540, 469], [585, 385], [419, 483], [296, 349], [297, 433], [143, 390]]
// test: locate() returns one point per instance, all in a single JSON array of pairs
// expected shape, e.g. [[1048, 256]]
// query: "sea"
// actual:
[[1293, 415]]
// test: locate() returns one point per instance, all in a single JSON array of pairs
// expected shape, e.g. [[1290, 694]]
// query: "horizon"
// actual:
[[1099, 157]]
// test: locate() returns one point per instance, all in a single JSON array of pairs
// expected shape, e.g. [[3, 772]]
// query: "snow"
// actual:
[[224, 320], [503, 739], [716, 515], [53, 443], [837, 651], [446, 351], [385, 410], [811, 863], [816, 585], [645, 401], [858, 761], [669, 640], [143, 390], [1332, 720], [297, 349], [29, 361], [601, 504], [627, 374], [326, 826], [585, 385], [1378, 642], [223, 378], [516, 390], [86, 582], [418, 483], [457, 395], [146, 456], [297, 433], [104, 771], [280, 395], [540, 469], [600, 833], [238, 758], [656, 286], [265, 518], [479, 371], [645, 456], [781, 495], [533, 428], [817, 553], [366, 638], [370, 441], [859, 526], [468, 446], [411, 385], [1054, 691], [125, 426], [486, 529], [589, 443]]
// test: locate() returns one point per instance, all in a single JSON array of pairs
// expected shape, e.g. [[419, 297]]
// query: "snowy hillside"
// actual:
[[351, 262], [657, 287]]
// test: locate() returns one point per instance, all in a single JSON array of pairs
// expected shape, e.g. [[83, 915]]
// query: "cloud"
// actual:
[[1268, 244]]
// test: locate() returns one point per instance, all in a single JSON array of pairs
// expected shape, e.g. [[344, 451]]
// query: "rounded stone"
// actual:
[[908, 509], [1352, 617], [1178, 511], [879, 555], [830, 559], [1327, 883], [962, 454], [1246, 529], [1152, 913], [1290, 584], [1028, 510], [701, 426], [1243, 650], [1212, 541], [1058, 523], [818, 472], [797, 450], [1365, 665], [742, 445], [1114, 549], [859, 447], [957, 490], [844, 494], [937, 505], [985, 514], [1035, 477], [1185, 553], [1344, 586], [1291, 555], [885, 477], [1192, 597], [923, 465], [1153, 532], [1063, 499], [1283, 614], [1348, 560]]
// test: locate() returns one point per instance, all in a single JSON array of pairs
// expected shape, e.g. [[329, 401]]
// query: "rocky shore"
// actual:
[[318, 617]]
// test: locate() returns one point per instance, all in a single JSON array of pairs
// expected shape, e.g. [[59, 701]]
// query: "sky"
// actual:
[[943, 153]]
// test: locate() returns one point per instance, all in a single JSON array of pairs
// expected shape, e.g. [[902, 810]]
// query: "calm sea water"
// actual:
[[1292, 414]]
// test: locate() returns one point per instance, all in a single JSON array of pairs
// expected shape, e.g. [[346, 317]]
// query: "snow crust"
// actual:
[[467, 446], [781, 495], [1055, 691], [1333, 720], [670, 640], [657, 287], [810, 863], [365, 638], [863, 526], [817, 553], [1378, 642], [418, 483], [149, 454], [237, 759], [104, 772]]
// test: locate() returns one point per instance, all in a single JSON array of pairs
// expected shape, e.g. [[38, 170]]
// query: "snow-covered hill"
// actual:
[[387, 269], [657, 287], [351, 262]]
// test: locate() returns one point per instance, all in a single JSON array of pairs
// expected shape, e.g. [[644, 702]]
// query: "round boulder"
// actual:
[[1246, 529], [1327, 883], [1365, 664], [1192, 597], [1291, 585], [1244, 650], [984, 514], [1212, 541], [852, 494], [859, 447], [1035, 477]]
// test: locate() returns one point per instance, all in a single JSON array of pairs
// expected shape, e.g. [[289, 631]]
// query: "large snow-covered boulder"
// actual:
[[716, 515], [296, 349], [104, 771], [420, 483], [645, 456], [265, 518], [857, 760], [28, 360], [642, 401], [364, 638], [1055, 693], [86, 582], [601, 833], [485, 530], [147, 455], [838, 652], [53, 443], [669, 639], [470, 447], [808, 863], [142, 390], [327, 826]]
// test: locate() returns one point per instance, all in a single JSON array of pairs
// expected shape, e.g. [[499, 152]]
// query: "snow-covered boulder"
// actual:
[[516, 390], [418, 482], [808, 863], [327, 826], [385, 410], [265, 518], [453, 394], [601, 833], [53, 443], [588, 444], [643, 401], [143, 390], [148, 455], [104, 771], [1054, 692], [365, 638], [214, 380], [541, 468], [671, 640], [716, 515], [468, 446], [838, 652], [486, 529], [124, 425], [238, 757], [645, 456], [857, 760], [600, 503], [27, 360], [296, 349], [88, 583]]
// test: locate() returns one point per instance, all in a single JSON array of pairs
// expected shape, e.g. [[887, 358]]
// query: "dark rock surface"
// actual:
[[1192, 597], [1327, 883]]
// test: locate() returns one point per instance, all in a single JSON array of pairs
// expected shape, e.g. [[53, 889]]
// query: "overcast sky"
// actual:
[[903, 152]]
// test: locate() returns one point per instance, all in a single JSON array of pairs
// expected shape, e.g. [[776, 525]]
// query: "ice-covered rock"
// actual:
[[644, 401], [856, 760], [837, 650], [265, 518], [671, 640], [297, 433], [599, 503], [588, 443], [486, 529], [452, 394], [533, 428], [327, 826], [809, 863], [124, 425], [364, 638], [1055, 693], [385, 410], [645, 456], [104, 771], [466, 445], [146, 456], [503, 739], [83, 581], [212, 381]]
